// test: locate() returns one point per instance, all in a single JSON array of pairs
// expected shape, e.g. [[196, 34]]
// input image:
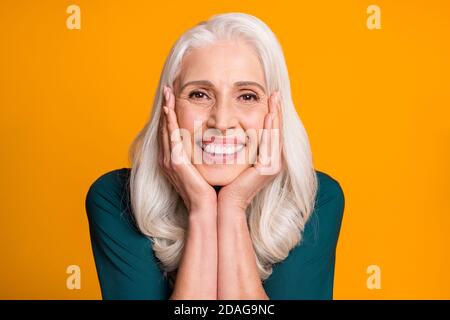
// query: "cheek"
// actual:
[[253, 120], [190, 120], [253, 125], [187, 117]]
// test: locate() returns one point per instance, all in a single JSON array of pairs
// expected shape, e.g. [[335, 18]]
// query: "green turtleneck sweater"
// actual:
[[128, 269]]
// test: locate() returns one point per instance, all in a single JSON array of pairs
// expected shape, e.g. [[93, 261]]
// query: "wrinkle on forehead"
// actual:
[[223, 63]]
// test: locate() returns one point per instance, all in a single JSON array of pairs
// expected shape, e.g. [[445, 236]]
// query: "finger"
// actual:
[[273, 101], [165, 139], [276, 107], [165, 151], [161, 126], [160, 141], [253, 176], [178, 154], [277, 139], [164, 145], [172, 121], [170, 99], [264, 149], [268, 124]]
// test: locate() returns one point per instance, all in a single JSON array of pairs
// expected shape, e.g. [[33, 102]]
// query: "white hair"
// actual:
[[278, 213]]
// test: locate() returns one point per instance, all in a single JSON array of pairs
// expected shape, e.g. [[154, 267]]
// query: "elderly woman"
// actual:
[[222, 200]]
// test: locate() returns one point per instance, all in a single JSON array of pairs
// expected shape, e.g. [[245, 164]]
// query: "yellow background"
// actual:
[[374, 102]]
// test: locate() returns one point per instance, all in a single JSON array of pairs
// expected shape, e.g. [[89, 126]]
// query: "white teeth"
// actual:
[[222, 149]]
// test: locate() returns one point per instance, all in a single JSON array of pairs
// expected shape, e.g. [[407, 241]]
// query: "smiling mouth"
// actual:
[[221, 147]]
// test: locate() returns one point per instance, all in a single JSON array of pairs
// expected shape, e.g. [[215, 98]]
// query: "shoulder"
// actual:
[[109, 193], [110, 182], [323, 227], [329, 190], [126, 265], [308, 270], [109, 186]]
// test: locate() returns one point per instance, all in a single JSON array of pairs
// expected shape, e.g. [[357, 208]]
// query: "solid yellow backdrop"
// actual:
[[374, 102]]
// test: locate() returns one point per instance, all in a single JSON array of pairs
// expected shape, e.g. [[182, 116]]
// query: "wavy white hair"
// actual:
[[278, 213]]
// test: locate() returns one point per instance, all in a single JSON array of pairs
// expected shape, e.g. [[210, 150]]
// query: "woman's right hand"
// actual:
[[196, 193]]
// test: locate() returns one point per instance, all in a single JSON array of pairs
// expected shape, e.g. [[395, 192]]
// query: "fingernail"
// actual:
[[166, 110], [171, 96], [166, 96]]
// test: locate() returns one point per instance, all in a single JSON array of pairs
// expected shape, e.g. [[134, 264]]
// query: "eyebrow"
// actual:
[[210, 84]]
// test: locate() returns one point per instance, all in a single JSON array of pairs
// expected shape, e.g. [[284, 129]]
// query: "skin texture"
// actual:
[[218, 260]]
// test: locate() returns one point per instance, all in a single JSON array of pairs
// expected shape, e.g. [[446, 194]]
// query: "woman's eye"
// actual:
[[197, 95], [250, 97], [247, 97]]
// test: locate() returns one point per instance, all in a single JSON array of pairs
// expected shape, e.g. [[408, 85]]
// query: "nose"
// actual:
[[223, 116]]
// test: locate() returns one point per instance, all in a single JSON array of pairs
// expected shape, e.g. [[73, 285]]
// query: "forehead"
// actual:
[[222, 63]]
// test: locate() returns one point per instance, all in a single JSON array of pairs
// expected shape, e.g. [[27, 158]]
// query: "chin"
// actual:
[[223, 159], [220, 174]]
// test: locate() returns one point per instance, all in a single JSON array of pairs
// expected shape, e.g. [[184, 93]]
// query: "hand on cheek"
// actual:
[[239, 193], [196, 193]]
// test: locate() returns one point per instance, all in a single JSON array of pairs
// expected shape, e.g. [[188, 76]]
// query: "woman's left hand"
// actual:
[[239, 193]]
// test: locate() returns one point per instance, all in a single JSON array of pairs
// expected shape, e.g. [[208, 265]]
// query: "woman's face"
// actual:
[[221, 101]]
